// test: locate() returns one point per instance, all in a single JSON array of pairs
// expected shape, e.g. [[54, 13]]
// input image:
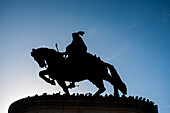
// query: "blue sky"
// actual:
[[133, 35]]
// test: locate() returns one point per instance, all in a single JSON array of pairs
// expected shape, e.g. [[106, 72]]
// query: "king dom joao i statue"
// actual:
[[76, 65]]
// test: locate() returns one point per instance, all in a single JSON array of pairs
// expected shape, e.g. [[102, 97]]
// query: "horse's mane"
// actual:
[[43, 50]]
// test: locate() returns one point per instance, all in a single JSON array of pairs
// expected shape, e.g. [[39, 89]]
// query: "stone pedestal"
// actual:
[[80, 103]]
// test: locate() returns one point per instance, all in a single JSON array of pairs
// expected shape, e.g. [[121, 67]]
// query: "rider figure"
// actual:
[[76, 51]]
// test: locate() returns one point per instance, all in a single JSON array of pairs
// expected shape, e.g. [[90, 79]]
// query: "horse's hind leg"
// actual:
[[112, 81], [63, 85], [99, 84]]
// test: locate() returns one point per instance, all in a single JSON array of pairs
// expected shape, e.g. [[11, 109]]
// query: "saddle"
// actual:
[[84, 60]]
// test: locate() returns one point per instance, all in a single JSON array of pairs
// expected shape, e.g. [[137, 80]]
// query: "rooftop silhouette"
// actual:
[[85, 103]]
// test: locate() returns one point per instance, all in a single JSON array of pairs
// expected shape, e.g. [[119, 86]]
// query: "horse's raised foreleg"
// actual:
[[63, 85], [42, 75]]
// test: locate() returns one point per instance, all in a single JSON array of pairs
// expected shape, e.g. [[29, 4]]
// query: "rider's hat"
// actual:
[[81, 33], [78, 33]]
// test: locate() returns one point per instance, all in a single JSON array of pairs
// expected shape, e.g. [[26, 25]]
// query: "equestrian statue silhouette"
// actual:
[[76, 65]]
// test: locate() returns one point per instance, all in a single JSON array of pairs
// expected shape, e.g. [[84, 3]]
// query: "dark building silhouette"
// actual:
[[80, 103]]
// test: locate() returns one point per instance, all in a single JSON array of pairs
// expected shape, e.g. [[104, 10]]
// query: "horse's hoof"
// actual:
[[95, 95], [71, 86], [52, 82], [116, 95], [66, 94]]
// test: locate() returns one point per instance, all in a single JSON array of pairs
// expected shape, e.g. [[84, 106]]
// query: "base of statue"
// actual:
[[80, 103]]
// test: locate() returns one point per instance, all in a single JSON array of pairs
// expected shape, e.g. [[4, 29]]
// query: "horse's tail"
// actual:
[[116, 78]]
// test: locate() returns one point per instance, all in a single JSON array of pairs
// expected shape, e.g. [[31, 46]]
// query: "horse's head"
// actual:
[[38, 57]]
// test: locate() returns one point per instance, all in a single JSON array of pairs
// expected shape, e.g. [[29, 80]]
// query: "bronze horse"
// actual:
[[91, 68]]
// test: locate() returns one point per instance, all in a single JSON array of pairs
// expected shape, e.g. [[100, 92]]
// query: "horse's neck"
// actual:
[[53, 61]]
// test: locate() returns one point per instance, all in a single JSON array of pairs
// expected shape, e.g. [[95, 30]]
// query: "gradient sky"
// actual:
[[133, 35]]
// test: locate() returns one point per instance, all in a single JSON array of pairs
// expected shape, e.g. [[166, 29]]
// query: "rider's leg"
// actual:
[[63, 85], [42, 75]]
